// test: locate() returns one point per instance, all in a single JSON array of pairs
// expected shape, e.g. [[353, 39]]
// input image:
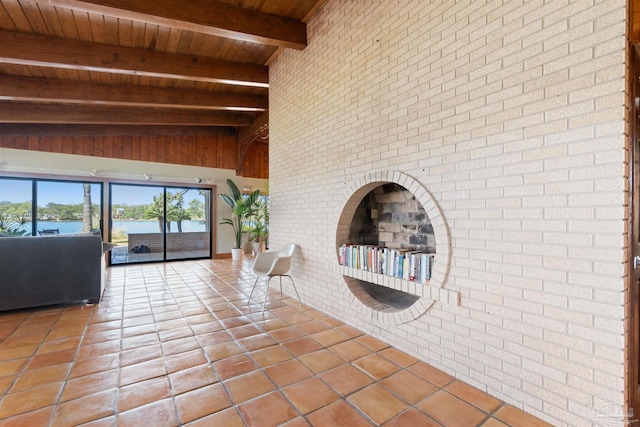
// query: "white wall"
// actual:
[[512, 117]]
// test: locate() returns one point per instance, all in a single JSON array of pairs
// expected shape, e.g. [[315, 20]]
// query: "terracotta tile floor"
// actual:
[[177, 344]]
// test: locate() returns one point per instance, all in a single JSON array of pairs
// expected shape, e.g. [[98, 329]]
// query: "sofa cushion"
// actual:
[[44, 270]]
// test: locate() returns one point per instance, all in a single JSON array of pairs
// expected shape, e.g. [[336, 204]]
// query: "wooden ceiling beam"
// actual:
[[30, 49], [38, 129], [98, 114], [74, 92], [202, 16], [251, 132]]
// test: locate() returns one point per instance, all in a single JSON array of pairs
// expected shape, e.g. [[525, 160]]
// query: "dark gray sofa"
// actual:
[[45, 270]]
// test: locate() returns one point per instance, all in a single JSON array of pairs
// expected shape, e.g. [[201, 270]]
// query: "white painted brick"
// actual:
[[549, 396], [512, 116]]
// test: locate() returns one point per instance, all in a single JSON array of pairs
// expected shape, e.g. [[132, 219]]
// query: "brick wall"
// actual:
[[182, 241], [512, 117]]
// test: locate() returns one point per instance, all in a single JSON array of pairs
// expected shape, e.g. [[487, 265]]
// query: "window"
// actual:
[[38, 206]]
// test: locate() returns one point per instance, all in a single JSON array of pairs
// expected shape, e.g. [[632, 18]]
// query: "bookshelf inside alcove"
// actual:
[[386, 258]]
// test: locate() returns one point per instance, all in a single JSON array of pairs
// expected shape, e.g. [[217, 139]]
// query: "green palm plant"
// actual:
[[13, 226], [156, 211], [174, 211], [259, 221], [242, 208]]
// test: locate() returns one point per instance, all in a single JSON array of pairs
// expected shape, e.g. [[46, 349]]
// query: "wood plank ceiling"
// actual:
[[166, 64]]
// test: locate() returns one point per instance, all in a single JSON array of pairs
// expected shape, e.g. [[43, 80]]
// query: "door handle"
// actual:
[[636, 261]]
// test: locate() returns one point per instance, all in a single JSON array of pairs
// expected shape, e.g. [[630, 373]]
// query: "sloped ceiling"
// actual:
[[113, 64]]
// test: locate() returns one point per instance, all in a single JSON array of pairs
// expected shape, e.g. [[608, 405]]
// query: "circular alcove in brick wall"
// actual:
[[391, 209], [391, 216]]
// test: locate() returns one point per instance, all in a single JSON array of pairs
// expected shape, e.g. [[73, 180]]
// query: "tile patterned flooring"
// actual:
[[177, 344]]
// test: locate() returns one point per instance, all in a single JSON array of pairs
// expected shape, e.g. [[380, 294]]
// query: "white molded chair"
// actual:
[[271, 264]]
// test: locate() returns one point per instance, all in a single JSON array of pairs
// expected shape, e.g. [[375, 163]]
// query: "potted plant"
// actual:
[[259, 225], [242, 208]]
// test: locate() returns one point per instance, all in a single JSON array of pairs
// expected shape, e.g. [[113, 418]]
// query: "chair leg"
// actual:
[[294, 288], [253, 289], [266, 293]]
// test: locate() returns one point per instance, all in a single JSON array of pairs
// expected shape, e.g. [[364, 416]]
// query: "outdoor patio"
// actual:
[[122, 255]]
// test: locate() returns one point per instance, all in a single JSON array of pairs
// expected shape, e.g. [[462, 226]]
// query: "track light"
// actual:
[[94, 172], [198, 180], [147, 177]]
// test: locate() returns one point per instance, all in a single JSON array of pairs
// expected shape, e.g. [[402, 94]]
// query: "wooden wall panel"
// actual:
[[256, 161], [68, 145], [159, 150], [88, 144], [634, 20], [214, 151], [45, 144], [56, 145]]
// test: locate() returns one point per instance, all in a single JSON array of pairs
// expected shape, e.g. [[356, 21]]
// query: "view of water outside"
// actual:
[[138, 216], [55, 199], [144, 226], [126, 218]]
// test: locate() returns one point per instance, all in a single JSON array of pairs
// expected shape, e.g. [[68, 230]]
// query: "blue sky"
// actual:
[[17, 190]]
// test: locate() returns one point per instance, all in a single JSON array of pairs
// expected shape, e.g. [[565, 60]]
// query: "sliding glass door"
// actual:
[[157, 223], [189, 223]]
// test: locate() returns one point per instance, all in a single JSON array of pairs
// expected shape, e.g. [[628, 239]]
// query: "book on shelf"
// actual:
[[415, 266]]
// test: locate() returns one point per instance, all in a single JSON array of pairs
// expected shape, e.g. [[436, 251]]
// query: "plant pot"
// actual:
[[236, 254]]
